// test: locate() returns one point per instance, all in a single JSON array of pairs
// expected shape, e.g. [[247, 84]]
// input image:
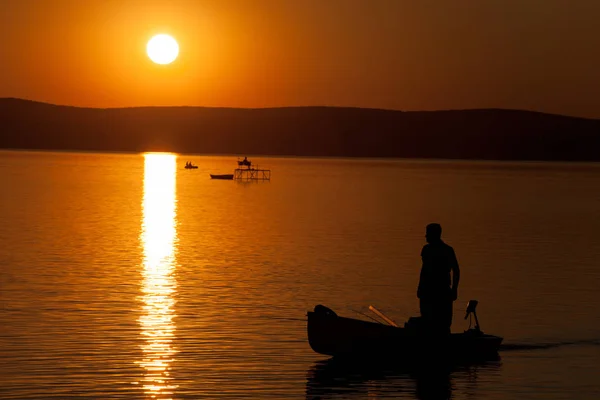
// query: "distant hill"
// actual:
[[302, 131]]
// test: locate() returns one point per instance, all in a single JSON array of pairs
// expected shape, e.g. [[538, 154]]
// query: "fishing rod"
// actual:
[[382, 315], [368, 316]]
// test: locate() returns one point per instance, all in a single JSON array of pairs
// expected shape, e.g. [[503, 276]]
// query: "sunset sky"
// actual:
[[539, 55]]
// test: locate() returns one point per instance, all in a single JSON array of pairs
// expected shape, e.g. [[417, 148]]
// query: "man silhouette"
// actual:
[[435, 293]]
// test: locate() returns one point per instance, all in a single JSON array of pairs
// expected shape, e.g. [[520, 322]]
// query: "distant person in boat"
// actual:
[[435, 291]]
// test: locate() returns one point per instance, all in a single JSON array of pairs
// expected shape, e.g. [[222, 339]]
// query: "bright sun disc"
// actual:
[[162, 49]]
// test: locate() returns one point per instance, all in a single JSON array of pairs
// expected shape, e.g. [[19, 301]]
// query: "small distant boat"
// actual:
[[228, 177], [191, 167]]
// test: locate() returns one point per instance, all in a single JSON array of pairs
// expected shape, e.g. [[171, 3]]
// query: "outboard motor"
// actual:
[[471, 306]]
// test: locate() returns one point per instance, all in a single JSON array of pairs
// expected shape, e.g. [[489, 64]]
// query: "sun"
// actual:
[[162, 49]]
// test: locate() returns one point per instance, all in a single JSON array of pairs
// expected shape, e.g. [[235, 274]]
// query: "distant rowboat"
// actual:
[[222, 176]]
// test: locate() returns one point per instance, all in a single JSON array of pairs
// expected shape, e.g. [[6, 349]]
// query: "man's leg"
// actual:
[[440, 316], [427, 317]]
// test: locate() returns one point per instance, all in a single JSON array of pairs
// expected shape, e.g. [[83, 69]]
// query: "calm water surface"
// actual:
[[127, 276]]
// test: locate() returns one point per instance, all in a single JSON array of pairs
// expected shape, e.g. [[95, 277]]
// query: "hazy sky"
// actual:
[[401, 54]]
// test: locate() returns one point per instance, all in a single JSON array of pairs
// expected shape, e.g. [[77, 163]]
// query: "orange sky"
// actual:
[[401, 54]]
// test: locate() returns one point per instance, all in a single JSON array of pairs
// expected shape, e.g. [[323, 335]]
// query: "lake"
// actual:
[[128, 276]]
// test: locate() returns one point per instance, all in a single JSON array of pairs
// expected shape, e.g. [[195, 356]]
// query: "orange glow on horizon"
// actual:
[[239, 53]]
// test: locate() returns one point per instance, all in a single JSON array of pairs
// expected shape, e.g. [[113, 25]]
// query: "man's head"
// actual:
[[433, 233]]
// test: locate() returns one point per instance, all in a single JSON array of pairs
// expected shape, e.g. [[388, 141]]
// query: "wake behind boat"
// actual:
[[332, 335]]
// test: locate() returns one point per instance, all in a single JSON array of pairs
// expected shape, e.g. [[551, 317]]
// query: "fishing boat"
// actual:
[[191, 167], [332, 335], [222, 176]]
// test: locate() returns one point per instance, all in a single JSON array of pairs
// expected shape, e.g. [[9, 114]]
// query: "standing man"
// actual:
[[435, 292]]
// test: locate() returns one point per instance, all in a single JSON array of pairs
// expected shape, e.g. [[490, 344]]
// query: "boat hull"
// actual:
[[347, 337], [228, 177]]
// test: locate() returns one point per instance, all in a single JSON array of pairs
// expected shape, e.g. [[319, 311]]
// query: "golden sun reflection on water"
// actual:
[[159, 239]]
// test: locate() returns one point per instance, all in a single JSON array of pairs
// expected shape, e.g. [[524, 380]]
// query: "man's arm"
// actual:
[[419, 292], [455, 275]]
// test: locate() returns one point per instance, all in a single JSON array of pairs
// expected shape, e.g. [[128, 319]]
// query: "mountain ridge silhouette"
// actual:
[[483, 134]]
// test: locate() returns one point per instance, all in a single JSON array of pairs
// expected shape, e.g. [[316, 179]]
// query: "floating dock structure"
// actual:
[[255, 174], [247, 172]]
